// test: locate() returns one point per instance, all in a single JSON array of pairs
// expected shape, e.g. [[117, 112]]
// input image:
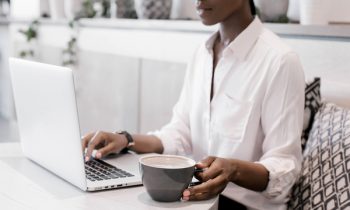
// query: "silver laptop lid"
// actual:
[[48, 119]]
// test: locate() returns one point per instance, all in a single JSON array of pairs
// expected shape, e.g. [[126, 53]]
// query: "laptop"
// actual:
[[48, 124]]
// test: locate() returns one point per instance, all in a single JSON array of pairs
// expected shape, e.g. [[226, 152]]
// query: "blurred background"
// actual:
[[129, 56]]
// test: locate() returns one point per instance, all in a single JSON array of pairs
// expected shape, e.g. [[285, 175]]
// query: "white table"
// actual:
[[26, 185]]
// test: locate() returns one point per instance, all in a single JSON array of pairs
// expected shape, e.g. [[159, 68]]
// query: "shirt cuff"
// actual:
[[282, 175], [169, 146]]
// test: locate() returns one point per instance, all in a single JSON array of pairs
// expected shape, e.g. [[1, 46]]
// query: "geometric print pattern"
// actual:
[[312, 104], [324, 182], [126, 9], [155, 9]]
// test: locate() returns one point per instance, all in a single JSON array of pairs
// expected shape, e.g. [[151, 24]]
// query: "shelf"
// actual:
[[328, 31]]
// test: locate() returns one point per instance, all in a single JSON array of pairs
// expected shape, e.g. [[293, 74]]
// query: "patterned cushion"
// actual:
[[312, 104], [325, 176], [153, 9]]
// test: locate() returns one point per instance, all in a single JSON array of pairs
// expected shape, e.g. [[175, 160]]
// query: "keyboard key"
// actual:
[[100, 170]]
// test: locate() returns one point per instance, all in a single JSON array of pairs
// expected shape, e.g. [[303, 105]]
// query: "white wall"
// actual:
[[141, 61], [329, 60]]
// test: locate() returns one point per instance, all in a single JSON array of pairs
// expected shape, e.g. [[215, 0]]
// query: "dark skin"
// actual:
[[233, 17]]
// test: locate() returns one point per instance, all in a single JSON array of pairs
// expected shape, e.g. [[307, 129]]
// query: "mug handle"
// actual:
[[197, 170]]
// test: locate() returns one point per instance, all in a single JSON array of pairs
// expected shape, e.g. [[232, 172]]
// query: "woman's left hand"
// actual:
[[217, 173]]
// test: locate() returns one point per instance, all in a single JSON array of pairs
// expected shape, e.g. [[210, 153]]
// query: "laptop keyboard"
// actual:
[[97, 170]]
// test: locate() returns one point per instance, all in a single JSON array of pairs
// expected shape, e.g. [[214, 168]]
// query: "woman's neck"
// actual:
[[233, 26]]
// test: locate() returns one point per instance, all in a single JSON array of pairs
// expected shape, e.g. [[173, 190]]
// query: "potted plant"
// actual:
[[71, 8], [272, 10], [153, 9], [126, 9], [4, 7], [30, 34], [294, 10], [315, 12], [56, 9], [184, 10]]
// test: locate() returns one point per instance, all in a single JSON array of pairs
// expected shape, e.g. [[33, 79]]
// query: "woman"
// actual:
[[240, 112]]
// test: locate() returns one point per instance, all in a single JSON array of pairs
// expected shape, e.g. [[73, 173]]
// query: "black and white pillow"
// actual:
[[324, 182], [312, 104]]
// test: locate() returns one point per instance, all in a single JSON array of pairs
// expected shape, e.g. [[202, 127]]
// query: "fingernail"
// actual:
[[199, 163], [98, 155], [186, 193], [86, 159], [185, 198], [93, 154]]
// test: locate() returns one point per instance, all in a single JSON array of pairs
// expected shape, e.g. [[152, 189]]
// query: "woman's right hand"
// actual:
[[104, 142]]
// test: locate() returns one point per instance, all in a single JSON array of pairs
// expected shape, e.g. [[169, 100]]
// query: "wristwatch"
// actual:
[[129, 138]]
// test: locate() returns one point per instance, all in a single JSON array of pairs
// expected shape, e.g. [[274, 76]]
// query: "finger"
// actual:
[[213, 171], [208, 175], [199, 192], [201, 188], [197, 197], [86, 139], [205, 163], [206, 187], [105, 150], [98, 138], [205, 190]]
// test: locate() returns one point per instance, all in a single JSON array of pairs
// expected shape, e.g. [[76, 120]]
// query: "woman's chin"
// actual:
[[208, 22]]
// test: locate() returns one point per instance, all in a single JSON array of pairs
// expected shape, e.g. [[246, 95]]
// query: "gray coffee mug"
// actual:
[[165, 177]]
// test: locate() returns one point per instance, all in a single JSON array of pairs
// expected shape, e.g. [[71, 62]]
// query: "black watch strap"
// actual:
[[129, 139]]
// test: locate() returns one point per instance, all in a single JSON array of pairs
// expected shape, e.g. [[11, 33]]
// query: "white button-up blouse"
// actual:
[[256, 113]]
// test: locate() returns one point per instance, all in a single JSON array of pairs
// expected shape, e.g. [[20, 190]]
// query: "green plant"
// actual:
[[106, 5], [69, 54], [283, 19], [87, 10], [31, 33]]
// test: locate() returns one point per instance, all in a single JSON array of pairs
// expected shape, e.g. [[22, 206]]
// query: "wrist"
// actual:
[[128, 139], [235, 171], [124, 140]]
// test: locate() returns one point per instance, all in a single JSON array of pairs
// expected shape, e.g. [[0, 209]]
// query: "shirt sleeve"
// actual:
[[176, 135], [282, 120]]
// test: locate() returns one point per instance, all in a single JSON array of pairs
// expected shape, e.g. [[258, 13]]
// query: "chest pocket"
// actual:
[[232, 118]]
